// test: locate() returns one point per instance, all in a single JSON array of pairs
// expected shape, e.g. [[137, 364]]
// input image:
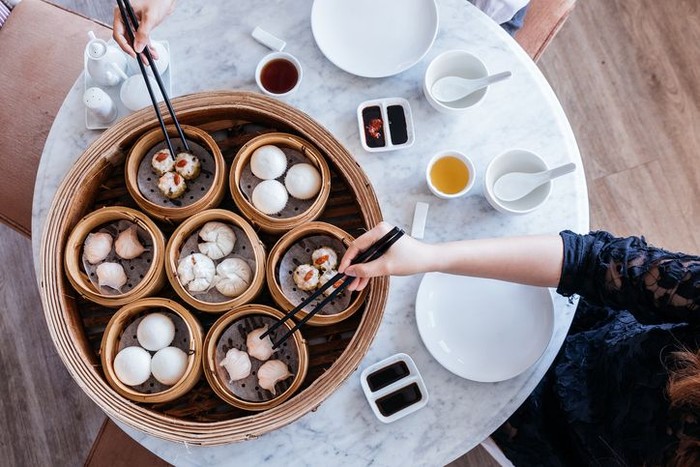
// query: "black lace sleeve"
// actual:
[[625, 273]]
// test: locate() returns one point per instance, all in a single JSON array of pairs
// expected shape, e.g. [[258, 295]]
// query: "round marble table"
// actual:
[[212, 49]]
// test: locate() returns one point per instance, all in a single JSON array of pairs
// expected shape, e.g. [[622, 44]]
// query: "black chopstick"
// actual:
[[372, 253], [125, 8], [359, 259]]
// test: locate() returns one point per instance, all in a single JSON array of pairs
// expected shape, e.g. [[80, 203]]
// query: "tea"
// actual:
[[279, 76], [449, 175]]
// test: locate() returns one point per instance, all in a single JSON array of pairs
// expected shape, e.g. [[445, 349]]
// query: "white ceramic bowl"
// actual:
[[516, 160], [454, 63], [467, 162]]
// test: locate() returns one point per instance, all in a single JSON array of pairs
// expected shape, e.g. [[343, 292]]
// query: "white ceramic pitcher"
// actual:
[[104, 61]]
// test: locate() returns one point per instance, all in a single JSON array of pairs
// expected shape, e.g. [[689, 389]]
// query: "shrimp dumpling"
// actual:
[[97, 247], [306, 277], [271, 373], [259, 348], [111, 275], [219, 240], [237, 365], [325, 258], [128, 245], [196, 272], [233, 277]]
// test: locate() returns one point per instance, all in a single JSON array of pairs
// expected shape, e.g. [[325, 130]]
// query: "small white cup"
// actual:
[[275, 56], [516, 160], [464, 160]]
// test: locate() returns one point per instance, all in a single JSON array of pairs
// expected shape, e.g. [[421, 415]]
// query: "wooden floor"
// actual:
[[627, 75]]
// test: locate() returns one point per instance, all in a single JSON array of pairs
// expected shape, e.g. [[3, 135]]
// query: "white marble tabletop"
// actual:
[[212, 49]]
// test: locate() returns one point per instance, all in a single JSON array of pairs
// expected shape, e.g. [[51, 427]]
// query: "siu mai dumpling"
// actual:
[[306, 277]]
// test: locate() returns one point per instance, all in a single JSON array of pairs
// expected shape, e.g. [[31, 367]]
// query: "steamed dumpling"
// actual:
[[233, 277], [111, 275], [303, 181], [162, 162], [196, 272], [325, 258], [306, 277], [271, 373], [187, 165], [219, 240], [325, 277], [268, 162], [172, 185], [128, 245], [269, 197], [259, 348], [237, 365], [97, 247]]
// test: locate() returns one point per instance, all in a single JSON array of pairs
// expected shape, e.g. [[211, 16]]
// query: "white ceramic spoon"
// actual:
[[516, 185], [454, 88]]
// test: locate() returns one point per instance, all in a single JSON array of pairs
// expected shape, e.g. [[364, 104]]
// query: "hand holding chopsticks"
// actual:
[[130, 20], [340, 281]]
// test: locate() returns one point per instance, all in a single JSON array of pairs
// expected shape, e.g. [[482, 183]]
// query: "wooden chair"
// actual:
[[41, 52], [114, 448], [543, 21]]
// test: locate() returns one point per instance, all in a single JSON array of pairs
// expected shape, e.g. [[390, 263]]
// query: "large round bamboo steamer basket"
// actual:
[[116, 329], [216, 376], [152, 281], [211, 198], [278, 223], [187, 229], [76, 325], [274, 269]]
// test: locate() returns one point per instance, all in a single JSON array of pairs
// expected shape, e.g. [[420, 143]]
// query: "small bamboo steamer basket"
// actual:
[[185, 230], [273, 224], [110, 347], [211, 198], [278, 251], [211, 342], [153, 280]]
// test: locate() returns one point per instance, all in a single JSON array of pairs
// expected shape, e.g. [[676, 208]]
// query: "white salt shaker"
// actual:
[[100, 105]]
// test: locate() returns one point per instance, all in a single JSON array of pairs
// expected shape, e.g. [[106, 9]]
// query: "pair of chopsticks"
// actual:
[[128, 14], [373, 252]]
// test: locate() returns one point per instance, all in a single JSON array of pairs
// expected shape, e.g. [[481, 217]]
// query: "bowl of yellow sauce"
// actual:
[[450, 174]]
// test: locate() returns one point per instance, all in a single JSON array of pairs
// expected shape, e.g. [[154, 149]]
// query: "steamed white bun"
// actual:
[[268, 162], [303, 181], [270, 197]]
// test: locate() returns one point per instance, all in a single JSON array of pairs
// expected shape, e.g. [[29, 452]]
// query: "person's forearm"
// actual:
[[534, 260]]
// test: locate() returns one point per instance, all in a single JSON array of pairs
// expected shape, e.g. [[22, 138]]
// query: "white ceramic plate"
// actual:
[[482, 329], [374, 38]]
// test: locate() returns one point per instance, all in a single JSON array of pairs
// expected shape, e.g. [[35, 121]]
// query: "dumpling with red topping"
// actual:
[[172, 185], [187, 165], [162, 162]]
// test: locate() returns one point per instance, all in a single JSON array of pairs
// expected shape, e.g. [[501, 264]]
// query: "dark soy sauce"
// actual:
[[385, 376], [397, 124], [279, 76], [374, 126], [399, 400]]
